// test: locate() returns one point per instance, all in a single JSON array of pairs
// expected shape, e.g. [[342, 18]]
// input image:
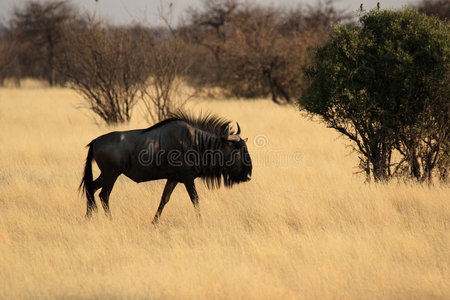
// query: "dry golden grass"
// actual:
[[304, 227]]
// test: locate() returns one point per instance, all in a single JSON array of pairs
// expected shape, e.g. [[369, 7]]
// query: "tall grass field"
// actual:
[[306, 226]]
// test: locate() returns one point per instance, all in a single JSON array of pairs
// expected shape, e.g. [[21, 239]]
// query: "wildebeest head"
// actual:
[[237, 164]]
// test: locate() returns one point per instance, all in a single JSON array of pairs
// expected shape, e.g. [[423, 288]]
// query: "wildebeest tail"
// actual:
[[87, 182]]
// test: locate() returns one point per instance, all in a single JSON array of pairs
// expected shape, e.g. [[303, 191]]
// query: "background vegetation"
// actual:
[[246, 49]]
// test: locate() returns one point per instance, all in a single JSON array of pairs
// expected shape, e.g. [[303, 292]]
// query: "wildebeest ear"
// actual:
[[245, 140]]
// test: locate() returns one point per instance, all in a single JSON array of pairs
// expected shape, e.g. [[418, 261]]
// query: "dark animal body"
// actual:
[[179, 149]]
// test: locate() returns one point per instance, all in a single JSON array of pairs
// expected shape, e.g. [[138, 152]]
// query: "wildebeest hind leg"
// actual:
[[168, 189], [91, 206], [108, 181], [98, 183]]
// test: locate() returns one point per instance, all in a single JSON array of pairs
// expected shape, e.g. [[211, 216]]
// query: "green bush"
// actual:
[[385, 85]]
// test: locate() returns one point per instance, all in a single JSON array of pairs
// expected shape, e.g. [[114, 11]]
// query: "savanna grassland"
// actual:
[[305, 226]]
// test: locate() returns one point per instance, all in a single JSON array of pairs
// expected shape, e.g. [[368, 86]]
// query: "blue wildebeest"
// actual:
[[179, 149]]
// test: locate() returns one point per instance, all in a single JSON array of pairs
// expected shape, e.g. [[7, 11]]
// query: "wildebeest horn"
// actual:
[[233, 138], [239, 129]]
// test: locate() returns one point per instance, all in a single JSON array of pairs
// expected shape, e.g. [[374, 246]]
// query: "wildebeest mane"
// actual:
[[207, 122]]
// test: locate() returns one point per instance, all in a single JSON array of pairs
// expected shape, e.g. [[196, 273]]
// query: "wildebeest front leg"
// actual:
[[168, 189], [190, 187]]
